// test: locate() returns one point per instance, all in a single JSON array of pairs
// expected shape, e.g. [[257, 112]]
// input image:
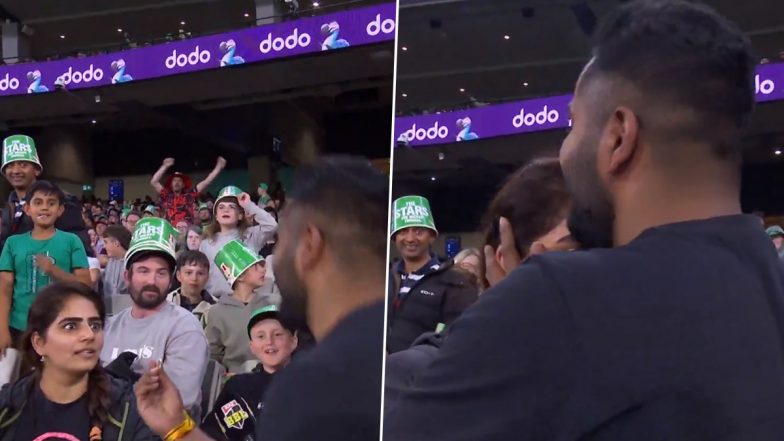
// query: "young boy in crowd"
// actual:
[[193, 269], [30, 261], [272, 342], [228, 339], [116, 240]]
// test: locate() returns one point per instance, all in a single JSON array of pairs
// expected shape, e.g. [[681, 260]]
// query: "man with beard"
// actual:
[[205, 215], [330, 267], [22, 167], [675, 332], [153, 328]]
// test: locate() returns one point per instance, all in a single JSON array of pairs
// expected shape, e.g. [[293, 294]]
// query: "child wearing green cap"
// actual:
[[30, 261], [233, 211], [244, 270], [150, 211], [264, 197], [205, 215]]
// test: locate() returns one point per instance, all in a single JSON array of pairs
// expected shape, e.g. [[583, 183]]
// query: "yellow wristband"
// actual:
[[182, 430]]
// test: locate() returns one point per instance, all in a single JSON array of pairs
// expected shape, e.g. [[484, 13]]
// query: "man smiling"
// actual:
[[423, 291], [22, 167]]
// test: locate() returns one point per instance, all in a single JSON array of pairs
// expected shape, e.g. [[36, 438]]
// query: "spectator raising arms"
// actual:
[[178, 195], [335, 219]]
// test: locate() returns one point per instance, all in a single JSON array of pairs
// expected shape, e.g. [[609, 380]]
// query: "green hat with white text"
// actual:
[[20, 148], [412, 211], [153, 235]]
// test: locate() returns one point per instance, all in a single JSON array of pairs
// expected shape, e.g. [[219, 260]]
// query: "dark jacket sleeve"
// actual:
[[403, 368], [5, 395], [72, 222], [5, 226], [136, 427], [461, 294]]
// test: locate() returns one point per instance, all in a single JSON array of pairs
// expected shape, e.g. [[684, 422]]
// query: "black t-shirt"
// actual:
[[333, 391], [237, 407], [676, 336], [45, 420]]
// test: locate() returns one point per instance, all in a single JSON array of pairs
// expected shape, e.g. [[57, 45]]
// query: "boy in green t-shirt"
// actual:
[[30, 261]]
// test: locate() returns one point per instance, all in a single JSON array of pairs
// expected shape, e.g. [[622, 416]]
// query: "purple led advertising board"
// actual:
[[530, 115], [334, 31]]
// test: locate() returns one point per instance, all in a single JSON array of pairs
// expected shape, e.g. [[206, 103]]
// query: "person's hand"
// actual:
[[221, 162], [158, 401], [244, 200], [5, 341], [501, 261], [168, 162], [43, 262]]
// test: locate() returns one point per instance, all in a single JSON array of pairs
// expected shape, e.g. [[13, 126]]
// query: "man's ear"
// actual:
[[310, 248], [619, 143]]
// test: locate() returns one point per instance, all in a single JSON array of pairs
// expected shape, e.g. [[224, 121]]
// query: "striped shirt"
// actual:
[[409, 280]]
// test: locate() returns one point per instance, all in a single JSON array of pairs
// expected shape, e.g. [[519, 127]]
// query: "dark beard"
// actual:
[[592, 215], [141, 302], [589, 230], [294, 304]]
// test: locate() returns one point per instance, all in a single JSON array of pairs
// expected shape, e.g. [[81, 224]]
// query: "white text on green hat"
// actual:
[[19, 148], [412, 211]]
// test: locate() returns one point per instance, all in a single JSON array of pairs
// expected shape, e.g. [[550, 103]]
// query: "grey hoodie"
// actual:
[[113, 278], [172, 335], [227, 332], [255, 238]]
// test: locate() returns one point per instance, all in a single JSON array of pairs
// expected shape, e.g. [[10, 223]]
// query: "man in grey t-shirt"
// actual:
[[153, 328]]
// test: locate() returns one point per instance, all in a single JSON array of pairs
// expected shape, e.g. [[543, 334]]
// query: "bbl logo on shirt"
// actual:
[[233, 414]]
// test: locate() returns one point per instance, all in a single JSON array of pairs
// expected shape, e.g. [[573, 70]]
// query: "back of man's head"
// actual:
[[348, 199], [686, 72]]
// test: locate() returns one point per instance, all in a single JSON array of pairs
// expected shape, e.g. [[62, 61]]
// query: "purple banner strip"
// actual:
[[355, 27], [530, 115]]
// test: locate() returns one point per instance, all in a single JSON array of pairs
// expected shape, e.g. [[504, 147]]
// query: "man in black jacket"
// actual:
[[21, 167], [423, 292]]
